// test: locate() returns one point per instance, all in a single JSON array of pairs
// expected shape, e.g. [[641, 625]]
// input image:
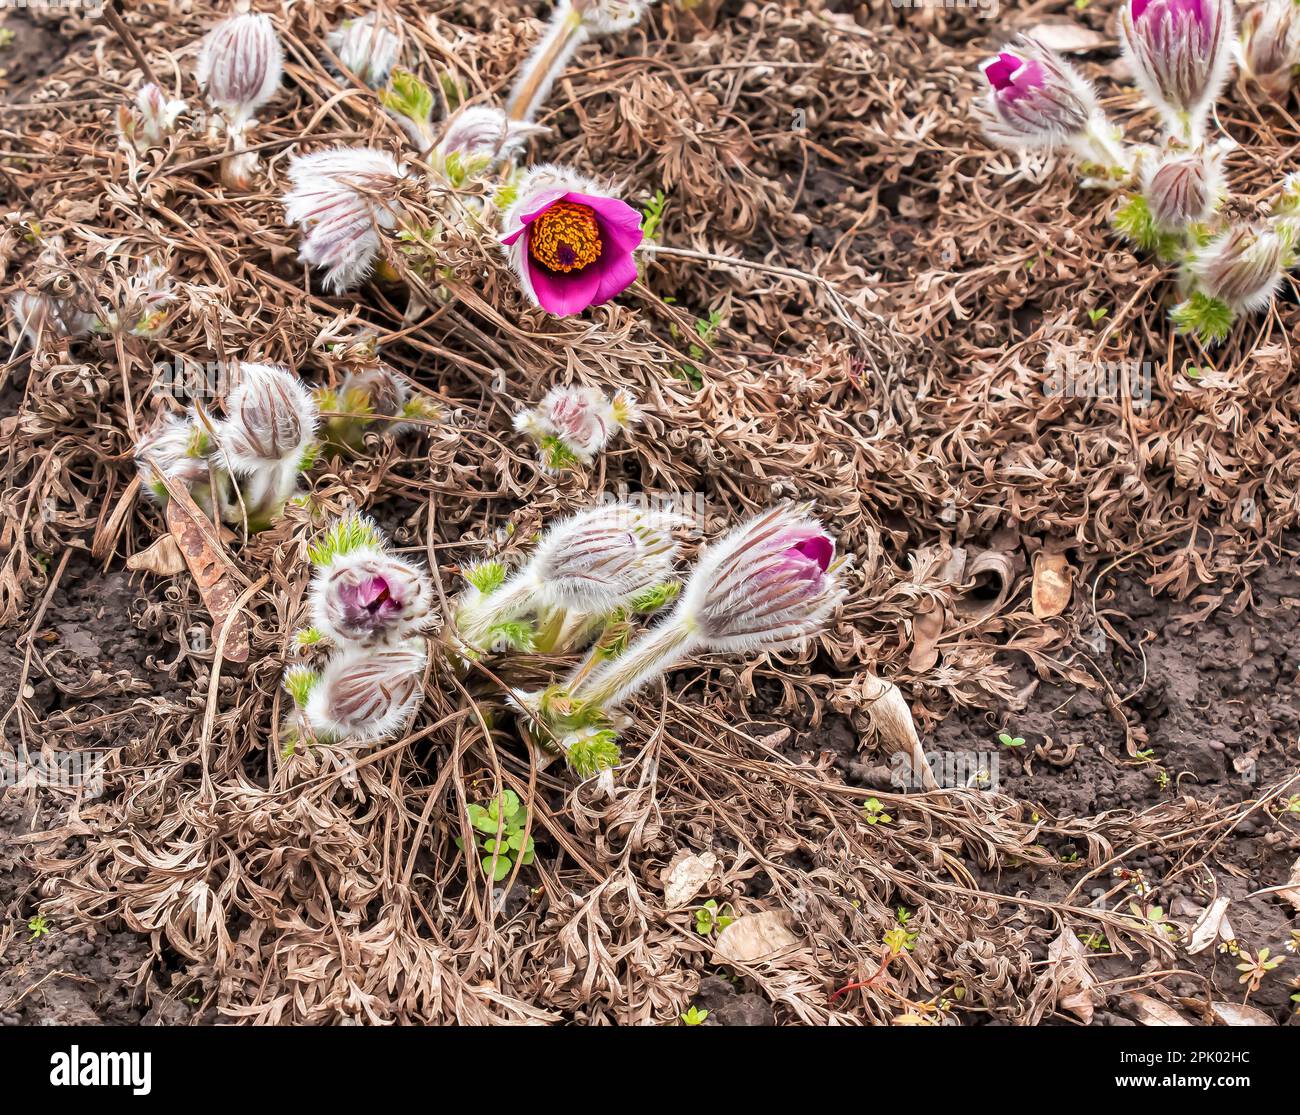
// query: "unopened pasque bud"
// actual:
[[1183, 188], [270, 425], [366, 47], [480, 136], [365, 694], [766, 584], [1180, 51], [1269, 47], [573, 423], [1241, 267], [240, 66], [341, 199], [150, 120]]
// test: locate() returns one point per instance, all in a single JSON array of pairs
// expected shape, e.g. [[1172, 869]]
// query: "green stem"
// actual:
[[654, 653]]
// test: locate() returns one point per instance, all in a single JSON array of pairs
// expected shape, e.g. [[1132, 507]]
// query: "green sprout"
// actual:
[[308, 637], [653, 214], [1253, 969], [486, 576], [352, 532], [694, 1016], [1095, 315], [39, 926], [1208, 318], [874, 813], [712, 918], [1010, 741], [505, 815], [1096, 941]]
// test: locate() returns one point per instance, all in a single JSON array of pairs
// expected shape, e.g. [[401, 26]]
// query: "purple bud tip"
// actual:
[[373, 595], [1196, 8], [1000, 69], [819, 549]]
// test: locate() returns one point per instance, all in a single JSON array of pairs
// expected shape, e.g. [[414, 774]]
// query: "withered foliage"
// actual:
[[880, 350]]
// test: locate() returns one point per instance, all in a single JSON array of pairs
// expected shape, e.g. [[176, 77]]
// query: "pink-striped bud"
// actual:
[[366, 694], [1182, 189], [1180, 51], [151, 119], [341, 199], [598, 559], [1035, 98], [1241, 267], [1269, 47], [271, 418], [481, 136], [240, 66], [368, 596], [176, 447], [767, 583]]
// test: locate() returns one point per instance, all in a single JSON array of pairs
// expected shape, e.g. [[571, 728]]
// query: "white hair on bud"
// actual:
[[241, 63], [369, 596], [484, 134], [366, 47], [366, 694], [598, 559], [337, 199]]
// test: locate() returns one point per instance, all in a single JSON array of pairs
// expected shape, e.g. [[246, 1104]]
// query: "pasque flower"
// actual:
[[367, 595], [341, 199], [1269, 46], [1241, 267], [569, 243], [270, 427], [365, 694], [35, 317], [177, 447], [1180, 51], [150, 119], [573, 423], [480, 136], [240, 66], [366, 47], [1182, 188], [768, 583], [1037, 99]]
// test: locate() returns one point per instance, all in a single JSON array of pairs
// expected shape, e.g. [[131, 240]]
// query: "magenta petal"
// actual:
[[1136, 8], [999, 70], [564, 294], [619, 222], [617, 273], [818, 548]]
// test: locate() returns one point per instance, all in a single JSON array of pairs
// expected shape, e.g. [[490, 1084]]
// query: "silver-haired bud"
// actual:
[[366, 694], [240, 66]]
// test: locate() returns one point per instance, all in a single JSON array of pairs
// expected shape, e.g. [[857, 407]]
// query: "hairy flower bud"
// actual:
[[366, 694], [1035, 98], [1180, 51], [366, 47], [573, 423], [480, 136], [1269, 46], [1182, 189], [766, 584], [37, 317], [570, 244], [368, 596], [151, 120], [600, 558], [178, 448], [1241, 268], [270, 426], [240, 66], [341, 199]]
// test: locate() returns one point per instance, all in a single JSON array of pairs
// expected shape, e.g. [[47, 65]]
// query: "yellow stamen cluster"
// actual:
[[566, 237]]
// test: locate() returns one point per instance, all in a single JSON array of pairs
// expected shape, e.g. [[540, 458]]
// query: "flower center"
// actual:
[[566, 237]]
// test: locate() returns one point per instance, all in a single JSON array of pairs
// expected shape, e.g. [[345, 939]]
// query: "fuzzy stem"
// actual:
[[473, 620], [562, 41], [654, 653]]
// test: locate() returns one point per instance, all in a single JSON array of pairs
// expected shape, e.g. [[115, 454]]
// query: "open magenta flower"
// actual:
[[1180, 51], [570, 245]]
